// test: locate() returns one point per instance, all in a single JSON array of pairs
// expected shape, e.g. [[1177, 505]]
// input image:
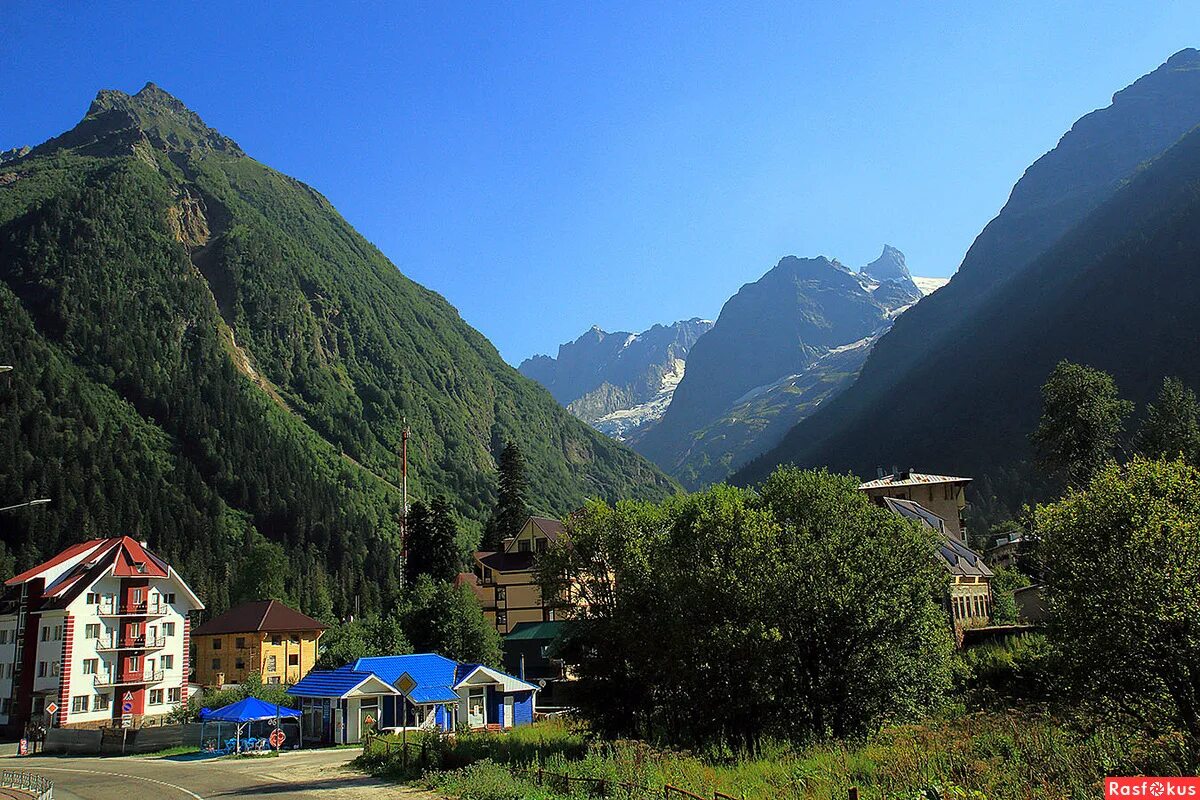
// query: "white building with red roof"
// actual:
[[101, 626]]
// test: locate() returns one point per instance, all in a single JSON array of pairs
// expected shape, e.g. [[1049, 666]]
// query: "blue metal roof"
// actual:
[[427, 669], [328, 683], [435, 677], [433, 694]]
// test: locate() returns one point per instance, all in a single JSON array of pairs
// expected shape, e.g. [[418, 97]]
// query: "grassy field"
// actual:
[[996, 756]]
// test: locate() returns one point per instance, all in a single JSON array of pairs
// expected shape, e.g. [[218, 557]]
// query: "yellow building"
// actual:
[[262, 636], [944, 495], [970, 598], [504, 579]]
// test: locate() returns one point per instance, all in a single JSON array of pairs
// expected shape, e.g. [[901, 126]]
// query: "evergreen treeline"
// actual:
[[208, 357]]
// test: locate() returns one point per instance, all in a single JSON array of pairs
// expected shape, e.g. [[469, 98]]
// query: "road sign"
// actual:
[[127, 707], [276, 738], [51, 708], [405, 683], [127, 720], [23, 749], [128, 696]]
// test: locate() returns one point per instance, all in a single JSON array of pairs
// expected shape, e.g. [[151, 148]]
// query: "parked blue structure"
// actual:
[[422, 690]]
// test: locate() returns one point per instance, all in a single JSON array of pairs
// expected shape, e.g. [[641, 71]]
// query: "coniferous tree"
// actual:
[[432, 542], [1172, 426], [511, 509]]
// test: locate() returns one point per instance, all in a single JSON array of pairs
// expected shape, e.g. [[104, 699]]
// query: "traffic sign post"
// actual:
[[276, 738], [52, 708]]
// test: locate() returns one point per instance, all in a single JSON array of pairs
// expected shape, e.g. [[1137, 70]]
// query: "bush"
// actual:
[[1015, 671]]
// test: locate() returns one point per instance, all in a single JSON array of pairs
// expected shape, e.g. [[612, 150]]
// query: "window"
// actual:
[[45, 634], [91, 630], [216, 663], [542, 544], [293, 659], [58, 633], [175, 695], [501, 619], [294, 638], [545, 651], [169, 598], [524, 546], [273, 679], [168, 628], [156, 697], [501, 593], [91, 666], [135, 630], [39, 705], [100, 702], [150, 665], [79, 704], [93, 598], [54, 669], [240, 643], [5, 706], [239, 664], [277, 639], [43, 669], [216, 644], [138, 595], [167, 662], [4, 637], [270, 664], [135, 662]]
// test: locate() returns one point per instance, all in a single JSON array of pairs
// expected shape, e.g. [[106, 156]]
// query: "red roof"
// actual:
[[65, 555]]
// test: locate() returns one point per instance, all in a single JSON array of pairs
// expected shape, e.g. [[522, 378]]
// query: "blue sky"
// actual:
[[549, 166]]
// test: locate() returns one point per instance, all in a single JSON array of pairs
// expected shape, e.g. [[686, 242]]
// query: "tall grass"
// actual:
[[998, 756]]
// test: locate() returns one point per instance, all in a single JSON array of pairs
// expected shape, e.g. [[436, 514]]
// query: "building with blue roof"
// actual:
[[420, 690]]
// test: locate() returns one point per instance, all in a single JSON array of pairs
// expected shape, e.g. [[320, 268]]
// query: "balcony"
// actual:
[[113, 643], [142, 609], [130, 679]]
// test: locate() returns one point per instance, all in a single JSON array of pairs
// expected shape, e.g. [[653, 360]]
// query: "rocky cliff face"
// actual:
[[766, 361], [601, 373], [1085, 261]]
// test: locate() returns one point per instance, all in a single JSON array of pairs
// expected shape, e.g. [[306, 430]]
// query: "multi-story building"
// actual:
[[970, 597], [100, 627], [944, 495], [263, 636], [504, 579]]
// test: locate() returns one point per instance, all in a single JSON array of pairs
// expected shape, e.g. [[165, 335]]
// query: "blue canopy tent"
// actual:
[[242, 713]]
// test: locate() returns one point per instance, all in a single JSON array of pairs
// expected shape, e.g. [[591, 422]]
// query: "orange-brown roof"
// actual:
[[259, 616]]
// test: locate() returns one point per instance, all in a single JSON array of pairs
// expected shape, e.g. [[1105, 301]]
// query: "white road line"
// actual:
[[188, 792]]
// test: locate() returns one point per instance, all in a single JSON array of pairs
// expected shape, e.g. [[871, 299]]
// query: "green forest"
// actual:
[[208, 357]]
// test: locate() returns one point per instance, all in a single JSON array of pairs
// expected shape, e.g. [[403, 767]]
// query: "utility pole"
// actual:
[[404, 490]]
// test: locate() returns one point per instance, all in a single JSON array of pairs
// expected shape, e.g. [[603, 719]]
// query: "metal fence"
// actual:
[[41, 787]]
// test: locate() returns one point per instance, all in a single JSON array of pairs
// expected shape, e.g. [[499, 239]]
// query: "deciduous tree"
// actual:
[[1082, 421]]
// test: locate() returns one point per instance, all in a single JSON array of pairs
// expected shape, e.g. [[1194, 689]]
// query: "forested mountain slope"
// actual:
[[1119, 292], [937, 349], [205, 350]]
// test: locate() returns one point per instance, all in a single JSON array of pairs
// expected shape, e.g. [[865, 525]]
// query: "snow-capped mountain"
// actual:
[[631, 375]]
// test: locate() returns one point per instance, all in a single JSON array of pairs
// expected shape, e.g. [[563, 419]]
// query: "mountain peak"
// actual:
[[117, 123], [890, 266]]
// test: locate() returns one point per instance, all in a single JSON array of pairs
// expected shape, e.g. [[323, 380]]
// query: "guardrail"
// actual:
[[40, 786]]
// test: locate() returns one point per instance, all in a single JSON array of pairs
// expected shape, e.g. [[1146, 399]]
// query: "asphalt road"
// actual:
[[303, 774]]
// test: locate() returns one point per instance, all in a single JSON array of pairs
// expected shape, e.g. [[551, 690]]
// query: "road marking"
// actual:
[[188, 792]]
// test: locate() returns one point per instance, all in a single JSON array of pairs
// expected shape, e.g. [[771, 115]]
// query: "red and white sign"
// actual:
[[51, 708], [276, 738], [1153, 788], [23, 748]]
